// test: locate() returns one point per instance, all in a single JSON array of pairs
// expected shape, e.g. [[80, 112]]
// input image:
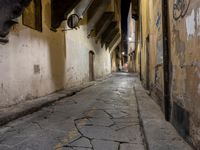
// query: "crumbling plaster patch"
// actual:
[[193, 23], [199, 84], [198, 21], [190, 25]]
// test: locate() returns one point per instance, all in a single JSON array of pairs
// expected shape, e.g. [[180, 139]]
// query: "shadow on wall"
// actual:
[[49, 69], [56, 43], [45, 52]]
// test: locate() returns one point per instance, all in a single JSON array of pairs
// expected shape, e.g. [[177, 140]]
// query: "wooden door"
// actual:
[[91, 66]]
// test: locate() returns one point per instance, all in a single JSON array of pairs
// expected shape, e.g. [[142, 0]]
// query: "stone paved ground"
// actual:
[[101, 117]]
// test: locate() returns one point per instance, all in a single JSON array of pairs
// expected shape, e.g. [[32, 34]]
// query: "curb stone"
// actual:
[[158, 133]]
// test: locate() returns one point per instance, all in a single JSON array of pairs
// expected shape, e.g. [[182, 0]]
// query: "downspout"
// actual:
[[166, 59], [139, 35]]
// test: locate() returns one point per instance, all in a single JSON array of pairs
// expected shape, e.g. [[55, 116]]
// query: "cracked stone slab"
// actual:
[[102, 133], [66, 148], [126, 119], [81, 148], [105, 145], [82, 142], [101, 122], [117, 113], [97, 113], [2, 147], [44, 141], [133, 133], [117, 127], [132, 147], [14, 140]]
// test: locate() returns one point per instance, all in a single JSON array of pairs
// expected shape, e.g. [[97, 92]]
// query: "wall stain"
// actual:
[[180, 48]]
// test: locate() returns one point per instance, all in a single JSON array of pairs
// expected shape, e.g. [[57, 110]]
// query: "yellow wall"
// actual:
[[62, 58], [185, 58], [184, 49], [25, 49]]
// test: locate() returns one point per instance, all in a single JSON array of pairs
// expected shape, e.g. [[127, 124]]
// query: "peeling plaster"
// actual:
[[198, 21], [190, 24], [199, 89], [158, 21]]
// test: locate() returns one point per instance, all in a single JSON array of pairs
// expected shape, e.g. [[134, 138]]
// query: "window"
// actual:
[[32, 16]]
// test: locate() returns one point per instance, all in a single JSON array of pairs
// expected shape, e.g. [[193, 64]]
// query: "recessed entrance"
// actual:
[[91, 66]]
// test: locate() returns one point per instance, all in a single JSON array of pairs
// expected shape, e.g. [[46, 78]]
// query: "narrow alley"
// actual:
[[99, 74], [105, 116]]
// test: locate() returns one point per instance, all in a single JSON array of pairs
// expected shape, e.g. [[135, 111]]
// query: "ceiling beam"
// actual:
[[111, 37], [95, 12], [113, 42], [108, 32], [103, 23]]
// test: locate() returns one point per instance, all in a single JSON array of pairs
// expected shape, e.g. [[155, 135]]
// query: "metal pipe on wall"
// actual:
[[166, 59]]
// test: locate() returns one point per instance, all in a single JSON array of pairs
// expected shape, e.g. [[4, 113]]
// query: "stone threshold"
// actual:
[[30, 106]]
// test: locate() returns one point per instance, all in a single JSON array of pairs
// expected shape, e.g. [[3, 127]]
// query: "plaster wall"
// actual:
[[184, 38], [77, 57], [34, 64], [149, 56], [156, 50], [185, 58], [26, 50]]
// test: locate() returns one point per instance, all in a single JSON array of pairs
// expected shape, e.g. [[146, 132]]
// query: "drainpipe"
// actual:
[[166, 59]]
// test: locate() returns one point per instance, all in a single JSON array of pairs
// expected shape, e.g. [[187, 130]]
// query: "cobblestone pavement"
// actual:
[[102, 117]]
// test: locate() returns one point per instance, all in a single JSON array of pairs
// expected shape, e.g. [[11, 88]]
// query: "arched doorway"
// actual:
[[91, 66]]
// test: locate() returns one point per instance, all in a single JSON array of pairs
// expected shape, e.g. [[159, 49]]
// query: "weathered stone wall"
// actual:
[[156, 50], [184, 59], [149, 44], [34, 64]]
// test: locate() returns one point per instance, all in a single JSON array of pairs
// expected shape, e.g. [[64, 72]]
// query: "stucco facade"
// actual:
[[184, 61], [131, 41], [35, 64]]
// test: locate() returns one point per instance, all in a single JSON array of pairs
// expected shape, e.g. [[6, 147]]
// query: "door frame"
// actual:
[[91, 66]]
